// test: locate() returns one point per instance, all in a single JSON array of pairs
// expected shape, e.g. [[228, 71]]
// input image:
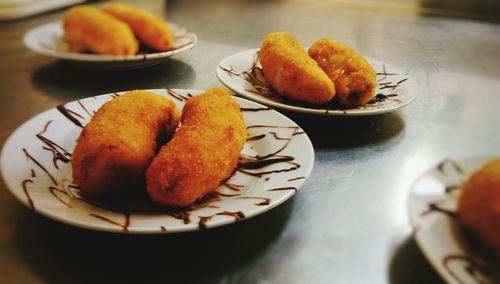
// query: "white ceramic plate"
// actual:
[[49, 40], [433, 201], [242, 73], [35, 165]]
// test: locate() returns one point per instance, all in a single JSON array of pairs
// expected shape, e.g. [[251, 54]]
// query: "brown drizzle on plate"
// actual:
[[259, 86], [108, 220], [474, 267], [58, 152], [297, 178], [283, 188], [250, 165], [202, 223], [28, 196], [257, 137], [71, 115], [183, 215], [30, 157], [235, 187], [53, 191], [178, 96], [441, 167], [264, 200]]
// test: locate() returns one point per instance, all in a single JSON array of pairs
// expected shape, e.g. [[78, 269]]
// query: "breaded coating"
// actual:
[[479, 205], [354, 78], [98, 32], [148, 28], [116, 147], [291, 72], [203, 152]]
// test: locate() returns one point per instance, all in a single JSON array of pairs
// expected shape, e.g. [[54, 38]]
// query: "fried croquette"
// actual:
[[479, 205], [354, 78], [203, 152], [149, 29], [291, 72], [98, 32], [116, 147]]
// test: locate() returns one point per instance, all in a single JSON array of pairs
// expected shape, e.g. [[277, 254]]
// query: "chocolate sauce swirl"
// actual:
[[30, 157], [297, 178], [26, 192], [85, 109], [108, 220], [202, 223], [384, 74], [435, 207], [296, 131], [381, 97], [178, 96], [283, 188], [388, 85], [235, 187], [401, 81], [251, 165], [264, 200], [71, 115], [472, 267], [238, 215], [263, 173], [442, 167], [58, 152], [248, 164], [53, 191], [452, 188], [183, 215], [254, 77], [257, 137]]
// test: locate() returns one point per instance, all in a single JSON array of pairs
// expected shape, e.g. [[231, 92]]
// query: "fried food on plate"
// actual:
[[149, 29], [291, 72], [98, 32], [354, 78], [479, 205], [203, 152], [116, 147]]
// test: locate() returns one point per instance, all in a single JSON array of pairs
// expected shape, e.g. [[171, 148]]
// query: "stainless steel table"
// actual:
[[349, 223]]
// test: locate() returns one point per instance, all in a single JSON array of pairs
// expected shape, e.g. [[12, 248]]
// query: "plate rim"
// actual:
[[313, 111], [28, 42], [285, 195]]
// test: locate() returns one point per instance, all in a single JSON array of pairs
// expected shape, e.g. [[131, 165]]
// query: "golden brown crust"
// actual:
[[203, 152], [291, 72], [354, 78], [98, 32], [151, 30], [479, 205], [116, 147]]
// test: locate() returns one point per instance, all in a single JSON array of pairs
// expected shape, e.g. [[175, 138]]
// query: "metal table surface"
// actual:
[[348, 224]]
